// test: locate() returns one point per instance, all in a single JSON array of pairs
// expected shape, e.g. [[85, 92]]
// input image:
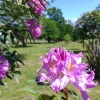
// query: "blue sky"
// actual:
[[73, 9]]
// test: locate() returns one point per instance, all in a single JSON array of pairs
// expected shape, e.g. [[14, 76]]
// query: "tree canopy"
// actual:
[[88, 26]]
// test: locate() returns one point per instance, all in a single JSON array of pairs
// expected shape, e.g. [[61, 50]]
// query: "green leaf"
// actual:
[[9, 76], [16, 78], [39, 98], [72, 92], [63, 98], [32, 81], [76, 95], [1, 83], [45, 97], [30, 91], [79, 97], [17, 72], [19, 2]]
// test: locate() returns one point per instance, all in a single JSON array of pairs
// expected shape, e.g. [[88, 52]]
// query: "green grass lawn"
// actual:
[[32, 62]]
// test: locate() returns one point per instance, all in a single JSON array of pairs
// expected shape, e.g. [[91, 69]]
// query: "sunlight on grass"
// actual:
[[32, 54]]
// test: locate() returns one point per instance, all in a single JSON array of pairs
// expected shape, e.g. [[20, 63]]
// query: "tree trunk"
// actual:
[[23, 42], [83, 43], [4, 39], [12, 38], [26, 40], [48, 38], [92, 44]]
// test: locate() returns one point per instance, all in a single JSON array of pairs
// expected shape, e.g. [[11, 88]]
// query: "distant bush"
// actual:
[[93, 57], [67, 38]]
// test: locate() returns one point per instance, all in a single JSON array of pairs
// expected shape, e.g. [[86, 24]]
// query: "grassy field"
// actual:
[[32, 53]]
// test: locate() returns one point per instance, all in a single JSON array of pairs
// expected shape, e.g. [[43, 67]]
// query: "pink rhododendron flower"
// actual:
[[34, 27], [42, 78], [62, 67], [4, 66], [39, 8]]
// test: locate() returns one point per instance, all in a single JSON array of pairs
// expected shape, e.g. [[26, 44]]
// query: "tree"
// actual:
[[98, 7], [51, 31], [88, 26], [70, 30], [67, 38], [57, 15]]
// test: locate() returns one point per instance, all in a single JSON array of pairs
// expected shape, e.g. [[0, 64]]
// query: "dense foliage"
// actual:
[[13, 18], [93, 56], [88, 26], [64, 26], [50, 31]]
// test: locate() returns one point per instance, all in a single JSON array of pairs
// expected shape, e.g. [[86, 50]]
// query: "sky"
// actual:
[[73, 9]]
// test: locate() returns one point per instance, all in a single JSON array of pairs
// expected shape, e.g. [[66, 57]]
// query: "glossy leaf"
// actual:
[[30, 91]]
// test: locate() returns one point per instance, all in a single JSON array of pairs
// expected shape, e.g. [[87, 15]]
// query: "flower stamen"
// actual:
[[52, 64], [70, 66]]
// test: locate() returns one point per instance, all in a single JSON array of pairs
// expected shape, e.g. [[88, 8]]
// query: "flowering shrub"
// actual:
[[60, 67], [34, 27], [9, 61], [4, 66]]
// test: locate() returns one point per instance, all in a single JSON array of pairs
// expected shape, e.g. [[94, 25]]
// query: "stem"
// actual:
[[65, 91]]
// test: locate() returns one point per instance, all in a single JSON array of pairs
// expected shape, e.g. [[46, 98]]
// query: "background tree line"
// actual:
[[12, 24], [55, 27]]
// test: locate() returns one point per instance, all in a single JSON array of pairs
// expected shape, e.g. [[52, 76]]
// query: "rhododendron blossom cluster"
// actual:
[[34, 27], [4, 66], [37, 6], [61, 67]]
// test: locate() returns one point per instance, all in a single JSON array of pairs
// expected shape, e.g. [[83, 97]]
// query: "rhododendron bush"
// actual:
[[10, 60], [60, 68]]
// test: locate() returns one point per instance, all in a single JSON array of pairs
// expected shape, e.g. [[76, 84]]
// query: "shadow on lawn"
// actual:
[[20, 46], [42, 42]]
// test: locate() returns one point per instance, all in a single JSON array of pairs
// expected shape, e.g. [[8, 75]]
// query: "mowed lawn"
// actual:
[[32, 62]]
